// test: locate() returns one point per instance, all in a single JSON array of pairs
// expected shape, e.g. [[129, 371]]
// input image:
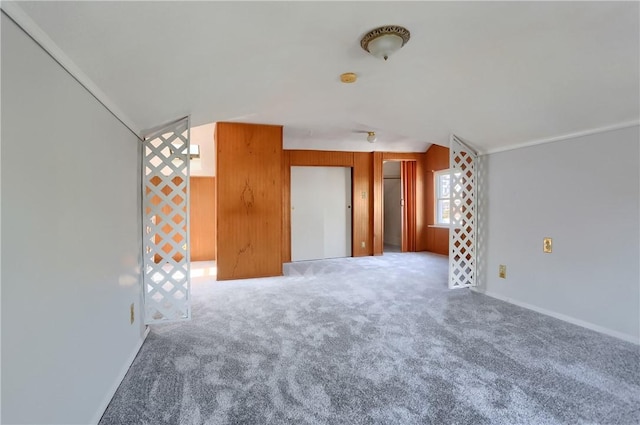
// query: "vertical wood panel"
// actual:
[[436, 158], [202, 216], [249, 204], [378, 204], [408, 174], [286, 207], [421, 207], [362, 203], [321, 158]]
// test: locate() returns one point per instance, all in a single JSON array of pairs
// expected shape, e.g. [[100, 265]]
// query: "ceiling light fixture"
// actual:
[[371, 136], [383, 41]]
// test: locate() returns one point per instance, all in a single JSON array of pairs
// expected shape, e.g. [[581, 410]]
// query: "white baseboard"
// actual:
[[125, 368], [572, 320]]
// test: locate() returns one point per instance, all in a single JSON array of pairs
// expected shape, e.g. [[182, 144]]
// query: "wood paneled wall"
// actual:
[[409, 209], [437, 238], [249, 200], [378, 204], [362, 204], [321, 158], [286, 206], [202, 218], [254, 180]]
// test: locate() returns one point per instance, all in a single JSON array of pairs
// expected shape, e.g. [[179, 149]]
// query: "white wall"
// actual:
[[583, 193], [70, 239], [202, 136]]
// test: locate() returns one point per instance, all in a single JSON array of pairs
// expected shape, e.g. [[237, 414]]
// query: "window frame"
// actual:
[[438, 198]]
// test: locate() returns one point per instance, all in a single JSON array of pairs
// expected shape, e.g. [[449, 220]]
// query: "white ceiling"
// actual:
[[497, 74]]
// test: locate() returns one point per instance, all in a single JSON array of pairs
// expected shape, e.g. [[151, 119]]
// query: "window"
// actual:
[[442, 180]]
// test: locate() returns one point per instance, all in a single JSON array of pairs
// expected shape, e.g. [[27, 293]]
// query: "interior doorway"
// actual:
[[392, 210], [399, 206], [320, 212]]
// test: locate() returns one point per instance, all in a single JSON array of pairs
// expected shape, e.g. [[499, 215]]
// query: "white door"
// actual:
[[320, 213]]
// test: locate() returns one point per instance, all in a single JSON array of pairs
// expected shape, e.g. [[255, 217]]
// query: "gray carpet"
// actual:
[[374, 340]]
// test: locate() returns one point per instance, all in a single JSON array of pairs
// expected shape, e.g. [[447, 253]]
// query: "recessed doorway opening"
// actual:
[[399, 206]]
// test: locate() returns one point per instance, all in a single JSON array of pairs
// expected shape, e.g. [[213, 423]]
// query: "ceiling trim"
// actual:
[[15, 12], [567, 136]]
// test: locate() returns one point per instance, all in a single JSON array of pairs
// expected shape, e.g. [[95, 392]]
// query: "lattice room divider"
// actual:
[[165, 223], [463, 215]]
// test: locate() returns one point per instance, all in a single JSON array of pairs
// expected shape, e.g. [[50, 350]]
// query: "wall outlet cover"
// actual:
[[502, 271], [547, 245]]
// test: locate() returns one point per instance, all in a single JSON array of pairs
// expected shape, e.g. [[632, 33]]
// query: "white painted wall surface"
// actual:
[[202, 136], [584, 193], [392, 211], [70, 258], [320, 213]]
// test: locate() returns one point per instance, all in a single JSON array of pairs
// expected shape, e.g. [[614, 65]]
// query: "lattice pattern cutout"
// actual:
[[462, 233], [165, 183]]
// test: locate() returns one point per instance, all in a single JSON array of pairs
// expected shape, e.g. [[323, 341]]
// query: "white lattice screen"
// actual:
[[165, 218], [462, 233]]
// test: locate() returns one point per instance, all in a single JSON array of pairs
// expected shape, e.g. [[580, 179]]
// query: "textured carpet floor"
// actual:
[[374, 340]]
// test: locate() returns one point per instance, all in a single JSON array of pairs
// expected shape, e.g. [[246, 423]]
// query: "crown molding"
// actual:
[[568, 136], [13, 10]]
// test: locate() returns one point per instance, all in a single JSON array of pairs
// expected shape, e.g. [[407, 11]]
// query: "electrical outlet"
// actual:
[[362, 244], [364, 195], [547, 245], [502, 271], [132, 315]]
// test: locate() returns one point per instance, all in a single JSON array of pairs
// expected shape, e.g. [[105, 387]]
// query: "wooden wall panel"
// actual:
[[249, 200], [402, 156], [421, 207], [321, 158], [202, 218], [378, 204], [286, 206], [409, 209], [437, 238], [362, 203]]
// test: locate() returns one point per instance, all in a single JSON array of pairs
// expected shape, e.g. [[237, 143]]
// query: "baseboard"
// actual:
[[107, 399], [563, 317]]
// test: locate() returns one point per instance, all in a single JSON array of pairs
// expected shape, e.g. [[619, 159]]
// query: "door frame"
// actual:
[[348, 170], [412, 241]]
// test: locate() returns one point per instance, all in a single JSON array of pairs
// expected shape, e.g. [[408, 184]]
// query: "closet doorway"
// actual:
[[320, 212]]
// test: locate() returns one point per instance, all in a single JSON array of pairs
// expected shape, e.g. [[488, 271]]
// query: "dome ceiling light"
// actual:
[[371, 136], [383, 41]]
